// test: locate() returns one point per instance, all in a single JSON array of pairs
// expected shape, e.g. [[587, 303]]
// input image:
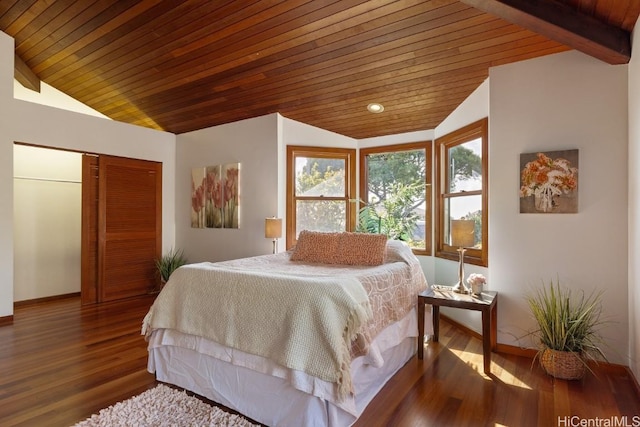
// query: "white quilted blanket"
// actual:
[[246, 310]]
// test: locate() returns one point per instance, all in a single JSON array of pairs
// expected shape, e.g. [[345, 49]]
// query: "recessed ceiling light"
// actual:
[[374, 107]]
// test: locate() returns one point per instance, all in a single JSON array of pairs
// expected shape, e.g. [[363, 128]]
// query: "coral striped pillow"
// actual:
[[362, 249], [318, 247], [340, 248]]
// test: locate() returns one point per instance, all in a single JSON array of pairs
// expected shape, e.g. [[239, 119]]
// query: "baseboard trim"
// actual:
[[37, 301], [612, 368], [6, 320], [460, 326], [500, 348], [517, 351]]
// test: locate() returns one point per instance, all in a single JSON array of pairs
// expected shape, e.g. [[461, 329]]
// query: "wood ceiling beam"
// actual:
[[24, 75], [563, 24]]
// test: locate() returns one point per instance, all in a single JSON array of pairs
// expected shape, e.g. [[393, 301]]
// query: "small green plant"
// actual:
[[169, 262], [568, 322]]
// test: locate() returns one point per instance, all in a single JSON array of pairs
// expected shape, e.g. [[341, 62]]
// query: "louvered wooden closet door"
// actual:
[[89, 248], [129, 226]]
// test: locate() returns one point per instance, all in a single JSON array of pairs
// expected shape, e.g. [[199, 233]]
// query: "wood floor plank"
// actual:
[[60, 362]]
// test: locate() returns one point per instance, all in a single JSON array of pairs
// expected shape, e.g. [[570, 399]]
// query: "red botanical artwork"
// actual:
[[231, 205], [215, 199], [198, 185]]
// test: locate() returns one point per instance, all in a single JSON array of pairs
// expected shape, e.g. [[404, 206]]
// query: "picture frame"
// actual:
[[215, 196], [549, 182]]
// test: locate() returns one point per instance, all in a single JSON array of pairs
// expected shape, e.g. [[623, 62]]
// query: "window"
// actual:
[[395, 191], [320, 189], [461, 179]]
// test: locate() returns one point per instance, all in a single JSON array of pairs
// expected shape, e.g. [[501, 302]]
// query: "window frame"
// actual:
[[468, 133], [427, 146], [349, 157]]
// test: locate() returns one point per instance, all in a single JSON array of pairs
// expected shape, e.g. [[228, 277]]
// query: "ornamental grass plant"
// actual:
[[568, 321], [170, 262]]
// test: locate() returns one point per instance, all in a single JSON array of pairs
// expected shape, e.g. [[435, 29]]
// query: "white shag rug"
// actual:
[[164, 406]]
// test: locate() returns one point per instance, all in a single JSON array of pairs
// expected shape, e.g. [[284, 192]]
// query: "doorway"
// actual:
[[57, 253], [47, 207]]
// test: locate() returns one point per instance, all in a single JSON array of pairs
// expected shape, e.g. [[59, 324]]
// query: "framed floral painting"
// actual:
[[215, 199], [198, 188], [549, 182], [231, 205]]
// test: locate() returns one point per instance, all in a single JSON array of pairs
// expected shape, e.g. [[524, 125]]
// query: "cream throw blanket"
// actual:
[[302, 323]]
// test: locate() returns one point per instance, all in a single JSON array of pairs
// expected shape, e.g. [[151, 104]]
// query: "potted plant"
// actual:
[[567, 327], [168, 263]]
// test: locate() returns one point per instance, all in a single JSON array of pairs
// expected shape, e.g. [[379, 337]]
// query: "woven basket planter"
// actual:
[[565, 365]]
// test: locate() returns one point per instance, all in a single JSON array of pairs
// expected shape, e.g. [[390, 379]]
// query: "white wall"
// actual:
[[54, 98], [47, 222], [6, 176], [259, 145], [474, 108], [634, 206], [400, 138], [562, 101], [298, 133], [253, 144], [43, 125]]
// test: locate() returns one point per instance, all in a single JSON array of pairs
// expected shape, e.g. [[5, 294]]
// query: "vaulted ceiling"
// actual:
[[186, 65]]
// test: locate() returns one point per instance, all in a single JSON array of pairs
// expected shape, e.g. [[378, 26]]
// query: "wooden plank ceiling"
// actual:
[[186, 65]]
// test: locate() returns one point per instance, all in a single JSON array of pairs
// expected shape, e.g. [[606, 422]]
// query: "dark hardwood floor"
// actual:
[[60, 362]]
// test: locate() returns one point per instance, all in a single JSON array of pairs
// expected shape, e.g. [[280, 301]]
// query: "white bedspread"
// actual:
[[247, 309]]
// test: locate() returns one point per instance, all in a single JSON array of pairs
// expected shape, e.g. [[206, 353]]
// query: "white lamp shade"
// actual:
[[273, 228], [462, 233]]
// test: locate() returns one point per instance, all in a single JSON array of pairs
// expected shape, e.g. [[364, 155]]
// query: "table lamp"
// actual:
[[273, 230], [462, 236]]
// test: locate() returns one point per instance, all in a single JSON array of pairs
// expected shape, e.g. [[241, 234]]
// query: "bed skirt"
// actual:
[[276, 399]]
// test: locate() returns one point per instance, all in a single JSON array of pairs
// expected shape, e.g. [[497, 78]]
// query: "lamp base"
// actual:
[[460, 288]]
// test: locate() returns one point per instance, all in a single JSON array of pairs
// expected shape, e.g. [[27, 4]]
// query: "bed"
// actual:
[[302, 338]]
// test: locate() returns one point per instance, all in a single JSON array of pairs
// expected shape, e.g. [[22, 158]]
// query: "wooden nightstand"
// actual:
[[487, 303]]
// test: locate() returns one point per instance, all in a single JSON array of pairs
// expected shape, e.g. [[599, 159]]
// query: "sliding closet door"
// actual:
[[129, 226], [89, 245]]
